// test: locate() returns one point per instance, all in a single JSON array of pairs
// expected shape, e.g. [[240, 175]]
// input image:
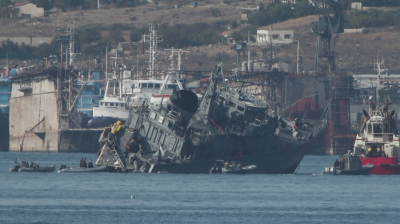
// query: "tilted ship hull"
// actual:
[[185, 136]]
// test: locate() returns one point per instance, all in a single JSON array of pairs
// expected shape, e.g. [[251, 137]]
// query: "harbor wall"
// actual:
[[33, 115]]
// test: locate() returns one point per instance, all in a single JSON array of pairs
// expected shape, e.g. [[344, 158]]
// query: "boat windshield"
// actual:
[[377, 128], [387, 128]]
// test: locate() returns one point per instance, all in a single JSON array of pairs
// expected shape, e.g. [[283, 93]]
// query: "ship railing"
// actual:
[[147, 112], [381, 137], [173, 114]]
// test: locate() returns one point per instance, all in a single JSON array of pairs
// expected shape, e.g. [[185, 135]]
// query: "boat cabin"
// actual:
[[350, 162], [153, 87]]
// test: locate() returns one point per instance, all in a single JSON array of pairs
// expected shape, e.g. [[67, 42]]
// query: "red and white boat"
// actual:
[[378, 141]]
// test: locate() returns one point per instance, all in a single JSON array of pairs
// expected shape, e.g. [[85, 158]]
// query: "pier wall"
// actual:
[[33, 115]]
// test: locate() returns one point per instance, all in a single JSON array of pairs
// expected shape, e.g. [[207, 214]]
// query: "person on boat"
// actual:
[[81, 163], [90, 164], [84, 163], [341, 163], [336, 164], [115, 128], [227, 163], [31, 165]]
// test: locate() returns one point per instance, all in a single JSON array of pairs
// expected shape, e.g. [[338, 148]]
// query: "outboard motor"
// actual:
[[14, 168], [184, 101], [63, 167]]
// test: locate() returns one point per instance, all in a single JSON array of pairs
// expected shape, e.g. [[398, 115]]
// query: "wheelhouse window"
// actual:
[[122, 104], [231, 104], [377, 128], [150, 85], [106, 104], [369, 128], [116, 104], [112, 104], [171, 86], [157, 85], [101, 103], [144, 85], [240, 108]]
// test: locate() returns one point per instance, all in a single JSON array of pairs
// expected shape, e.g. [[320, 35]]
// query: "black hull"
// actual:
[[271, 155], [40, 169], [4, 132], [80, 140]]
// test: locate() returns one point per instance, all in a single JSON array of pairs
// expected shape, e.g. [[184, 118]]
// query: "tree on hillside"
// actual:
[[125, 3], [89, 35], [275, 12], [182, 35], [136, 35], [279, 12], [46, 4], [380, 3], [6, 12]]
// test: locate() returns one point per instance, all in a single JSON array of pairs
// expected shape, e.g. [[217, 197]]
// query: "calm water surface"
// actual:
[[304, 197]]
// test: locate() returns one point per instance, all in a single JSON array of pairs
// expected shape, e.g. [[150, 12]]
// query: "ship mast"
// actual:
[[378, 66], [210, 94], [153, 39]]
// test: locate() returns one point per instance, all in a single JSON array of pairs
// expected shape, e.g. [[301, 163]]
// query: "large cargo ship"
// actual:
[[184, 136]]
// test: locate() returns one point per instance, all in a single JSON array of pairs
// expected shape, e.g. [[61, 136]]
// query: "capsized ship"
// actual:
[[188, 136]]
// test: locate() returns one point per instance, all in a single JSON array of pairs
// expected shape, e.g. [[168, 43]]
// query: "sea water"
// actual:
[[307, 196]]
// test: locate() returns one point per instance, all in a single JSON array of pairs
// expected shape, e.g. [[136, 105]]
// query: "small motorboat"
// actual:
[[24, 166], [63, 168], [349, 164], [230, 167]]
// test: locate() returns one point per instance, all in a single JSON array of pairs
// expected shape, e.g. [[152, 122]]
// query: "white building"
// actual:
[[356, 5], [274, 36], [27, 9]]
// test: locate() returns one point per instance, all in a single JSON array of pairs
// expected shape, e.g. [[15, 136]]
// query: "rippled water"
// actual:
[[304, 197]]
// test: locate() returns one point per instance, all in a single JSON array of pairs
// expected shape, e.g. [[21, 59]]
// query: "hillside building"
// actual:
[[274, 36], [28, 10]]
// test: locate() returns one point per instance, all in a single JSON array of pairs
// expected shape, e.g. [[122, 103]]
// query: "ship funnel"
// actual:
[[185, 100]]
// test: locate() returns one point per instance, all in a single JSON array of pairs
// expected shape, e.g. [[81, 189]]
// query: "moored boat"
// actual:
[[83, 169], [38, 169], [378, 141], [33, 167]]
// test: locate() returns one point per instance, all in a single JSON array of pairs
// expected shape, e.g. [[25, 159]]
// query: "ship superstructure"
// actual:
[[187, 136]]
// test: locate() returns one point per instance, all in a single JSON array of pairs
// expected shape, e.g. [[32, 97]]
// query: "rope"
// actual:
[[240, 157], [296, 127], [220, 129]]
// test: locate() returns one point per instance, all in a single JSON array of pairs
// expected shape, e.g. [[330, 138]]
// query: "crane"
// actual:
[[326, 26]]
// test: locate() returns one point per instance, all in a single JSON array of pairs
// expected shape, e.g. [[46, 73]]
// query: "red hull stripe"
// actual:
[[382, 160]]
